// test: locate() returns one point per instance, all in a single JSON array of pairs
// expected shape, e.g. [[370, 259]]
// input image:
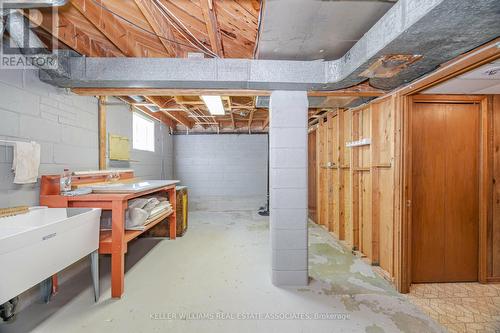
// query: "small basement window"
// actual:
[[143, 133]]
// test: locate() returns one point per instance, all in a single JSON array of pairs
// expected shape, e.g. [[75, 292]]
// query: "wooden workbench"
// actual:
[[112, 241]]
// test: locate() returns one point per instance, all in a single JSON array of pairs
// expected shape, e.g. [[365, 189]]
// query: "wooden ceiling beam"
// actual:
[[160, 116], [130, 40], [107, 24], [159, 25], [232, 121], [156, 115], [212, 27], [220, 92], [74, 30], [250, 120], [265, 123], [177, 116]]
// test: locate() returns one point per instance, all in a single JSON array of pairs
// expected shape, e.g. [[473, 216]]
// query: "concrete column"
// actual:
[[288, 187]]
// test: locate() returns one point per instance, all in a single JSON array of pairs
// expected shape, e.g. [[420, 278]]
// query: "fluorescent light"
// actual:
[[214, 105]]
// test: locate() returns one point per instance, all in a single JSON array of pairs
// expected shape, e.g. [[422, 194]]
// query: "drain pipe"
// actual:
[[37, 53]]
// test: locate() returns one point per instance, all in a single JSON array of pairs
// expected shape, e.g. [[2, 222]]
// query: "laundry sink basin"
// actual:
[[42, 242]]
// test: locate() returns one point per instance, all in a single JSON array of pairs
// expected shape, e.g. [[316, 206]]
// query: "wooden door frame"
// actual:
[[484, 176]]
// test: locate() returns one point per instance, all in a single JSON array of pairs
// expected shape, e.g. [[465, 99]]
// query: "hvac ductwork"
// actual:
[[34, 50], [22, 4], [436, 30]]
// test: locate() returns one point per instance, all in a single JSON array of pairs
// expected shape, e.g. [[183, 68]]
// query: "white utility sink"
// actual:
[[38, 244]]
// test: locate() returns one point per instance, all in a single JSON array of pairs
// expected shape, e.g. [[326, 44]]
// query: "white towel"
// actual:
[[26, 162]]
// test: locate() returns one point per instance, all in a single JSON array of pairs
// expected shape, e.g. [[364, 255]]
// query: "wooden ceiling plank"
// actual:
[[130, 40], [190, 15], [212, 27], [177, 116], [232, 121], [156, 115], [265, 123], [252, 7], [250, 120], [113, 30], [159, 25], [74, 30]]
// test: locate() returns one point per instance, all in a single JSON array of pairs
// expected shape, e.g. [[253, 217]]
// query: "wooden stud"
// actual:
[[250, 120], [102, 131], [178, 117]]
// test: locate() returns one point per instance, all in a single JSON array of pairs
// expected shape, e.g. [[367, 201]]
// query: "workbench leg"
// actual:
[[94, 269], [117, 248], [172, 219]]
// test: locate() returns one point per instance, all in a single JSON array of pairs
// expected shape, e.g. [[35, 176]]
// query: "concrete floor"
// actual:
[[221, 267]]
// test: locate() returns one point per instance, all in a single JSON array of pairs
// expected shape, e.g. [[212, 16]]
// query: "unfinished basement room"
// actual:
[[250, 166]]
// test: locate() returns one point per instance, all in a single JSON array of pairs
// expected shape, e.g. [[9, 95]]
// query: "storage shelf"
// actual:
[[105, 237]]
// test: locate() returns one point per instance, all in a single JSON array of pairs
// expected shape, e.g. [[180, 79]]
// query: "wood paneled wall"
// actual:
[[494, 219], [355, 186], [359, 190]]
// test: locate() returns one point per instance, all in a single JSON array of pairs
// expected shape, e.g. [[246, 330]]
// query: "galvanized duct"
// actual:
[[438, 30], [16, 25], [18, 4]]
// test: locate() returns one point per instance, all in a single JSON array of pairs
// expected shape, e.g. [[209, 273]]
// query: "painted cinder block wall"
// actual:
[[66, 127], [224, 165], [288, 183], [146, 164]]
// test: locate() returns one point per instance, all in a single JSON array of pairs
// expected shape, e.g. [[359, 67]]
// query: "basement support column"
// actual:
[[288, 187]]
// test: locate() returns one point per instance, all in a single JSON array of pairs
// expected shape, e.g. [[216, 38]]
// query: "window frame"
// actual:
[[148, 143]]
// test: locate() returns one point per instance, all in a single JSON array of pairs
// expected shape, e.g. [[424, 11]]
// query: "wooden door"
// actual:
[[445, 192]]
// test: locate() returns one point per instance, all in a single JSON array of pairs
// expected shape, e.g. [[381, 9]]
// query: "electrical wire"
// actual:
[[168, 13], [146, 30], [179, 30], [259, 23]]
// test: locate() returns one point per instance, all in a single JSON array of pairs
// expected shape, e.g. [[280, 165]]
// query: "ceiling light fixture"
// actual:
[[214, 105]]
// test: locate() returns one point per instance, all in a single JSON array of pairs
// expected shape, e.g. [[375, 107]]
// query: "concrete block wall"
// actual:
[[222, 165], [64, 124], [288, 187], [146, 164]]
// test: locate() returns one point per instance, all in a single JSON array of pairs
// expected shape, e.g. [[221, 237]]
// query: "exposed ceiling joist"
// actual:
[[105, 23], [75, 31], [159, 25], [130, 39], [463, 32], [157, 115], [212, 27], [250, 120], [177, 116], [220, 92], [265, 123], [233, 124]]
